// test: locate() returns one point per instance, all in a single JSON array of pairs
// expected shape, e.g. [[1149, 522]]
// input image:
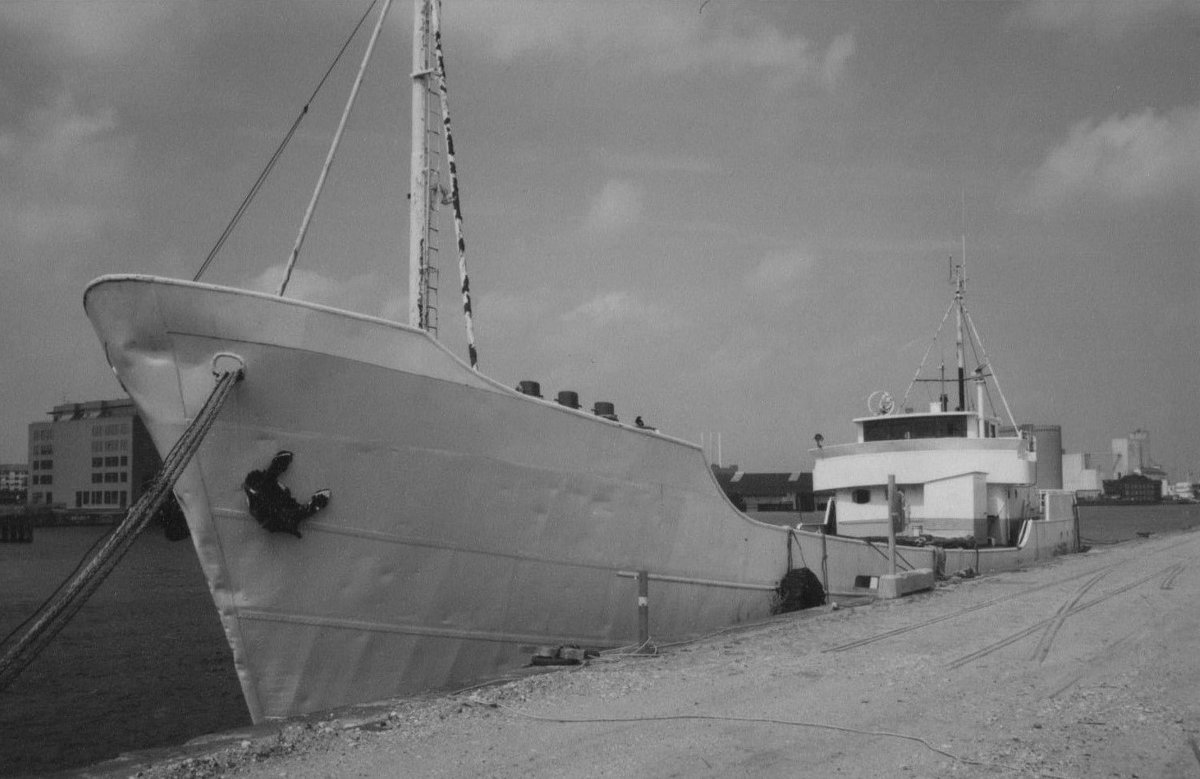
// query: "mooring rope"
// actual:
[[56, 613]]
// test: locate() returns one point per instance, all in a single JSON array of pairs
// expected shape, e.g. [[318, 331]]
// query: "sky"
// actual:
[[731, 218]]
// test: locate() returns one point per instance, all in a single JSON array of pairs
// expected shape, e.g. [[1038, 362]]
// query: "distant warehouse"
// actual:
[[770, 497], [90, 458]]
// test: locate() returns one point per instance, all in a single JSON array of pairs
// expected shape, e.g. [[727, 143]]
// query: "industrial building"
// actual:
[[1081, 477], [1133, 488], [1131, 456], [14, 480], [89, 458]]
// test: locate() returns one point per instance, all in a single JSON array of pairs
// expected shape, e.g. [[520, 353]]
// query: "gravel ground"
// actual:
[[1085, 667]]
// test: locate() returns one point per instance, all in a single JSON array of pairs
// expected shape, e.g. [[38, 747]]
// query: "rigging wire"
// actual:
[[921, 367], [266, 171], [1000, 390], [333, 147]]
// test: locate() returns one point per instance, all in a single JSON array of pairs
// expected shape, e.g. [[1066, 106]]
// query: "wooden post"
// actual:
[[643, 580], [891, 499]]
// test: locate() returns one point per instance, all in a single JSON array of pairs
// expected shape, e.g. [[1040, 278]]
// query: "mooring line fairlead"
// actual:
[[55, 613]]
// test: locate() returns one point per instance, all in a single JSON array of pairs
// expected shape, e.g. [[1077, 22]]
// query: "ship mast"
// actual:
[[419, 189], [427, 192]]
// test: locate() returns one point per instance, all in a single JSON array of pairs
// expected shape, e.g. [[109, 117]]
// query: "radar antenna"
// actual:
[[881, 403]]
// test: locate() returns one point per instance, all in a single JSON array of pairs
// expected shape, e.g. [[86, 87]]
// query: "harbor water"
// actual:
[[145, 664]]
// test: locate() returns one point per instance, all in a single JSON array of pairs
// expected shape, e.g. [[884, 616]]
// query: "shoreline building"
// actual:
[[1131, 456], [775, 498], [1081, 477], [14, 482], [90, 458]]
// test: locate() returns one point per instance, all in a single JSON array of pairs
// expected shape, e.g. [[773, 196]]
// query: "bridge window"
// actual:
[[899, 428]]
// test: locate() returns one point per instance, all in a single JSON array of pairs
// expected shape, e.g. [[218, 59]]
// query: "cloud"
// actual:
[[105, 31], [655, 39], [63, 171], [647, 162], [508, 311], [615, 209], [1101, 18], [362, 293], [1124, 158], [620, 308], [779, 275], [836, 56]]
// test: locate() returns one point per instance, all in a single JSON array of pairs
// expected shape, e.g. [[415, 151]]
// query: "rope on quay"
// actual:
[[774, 721], [56, 612]]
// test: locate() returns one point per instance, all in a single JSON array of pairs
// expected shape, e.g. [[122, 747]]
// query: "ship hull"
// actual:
[[469, 524]]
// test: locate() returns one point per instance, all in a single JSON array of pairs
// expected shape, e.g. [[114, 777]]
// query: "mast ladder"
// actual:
[[433, 199]]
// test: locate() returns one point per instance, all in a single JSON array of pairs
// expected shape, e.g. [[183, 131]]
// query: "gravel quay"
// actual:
[[1083, 667]]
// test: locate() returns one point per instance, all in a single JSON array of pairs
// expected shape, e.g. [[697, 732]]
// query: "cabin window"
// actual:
[[899, 428], [861, 496]]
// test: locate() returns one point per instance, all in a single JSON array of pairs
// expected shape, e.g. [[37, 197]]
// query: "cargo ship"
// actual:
[[464, 523]]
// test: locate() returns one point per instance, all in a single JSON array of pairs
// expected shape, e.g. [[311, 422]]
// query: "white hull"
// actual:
[[469, 524]]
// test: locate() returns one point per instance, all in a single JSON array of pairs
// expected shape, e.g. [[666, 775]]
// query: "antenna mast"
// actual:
[[960, 282]]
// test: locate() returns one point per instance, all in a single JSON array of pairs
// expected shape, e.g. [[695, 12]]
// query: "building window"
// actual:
[[124, 459], [122, 496], [861, 496], [111, 477], [111, 462], [96, 497], [97, 462], [97, 478], [124, 476]]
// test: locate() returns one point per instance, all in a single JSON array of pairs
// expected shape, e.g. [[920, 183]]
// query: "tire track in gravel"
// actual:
[[963, 612], [1168, 572], [1098, 572], [1056, 622]]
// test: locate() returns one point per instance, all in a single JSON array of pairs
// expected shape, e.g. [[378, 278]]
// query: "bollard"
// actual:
[[643, 580], [891, 499]]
